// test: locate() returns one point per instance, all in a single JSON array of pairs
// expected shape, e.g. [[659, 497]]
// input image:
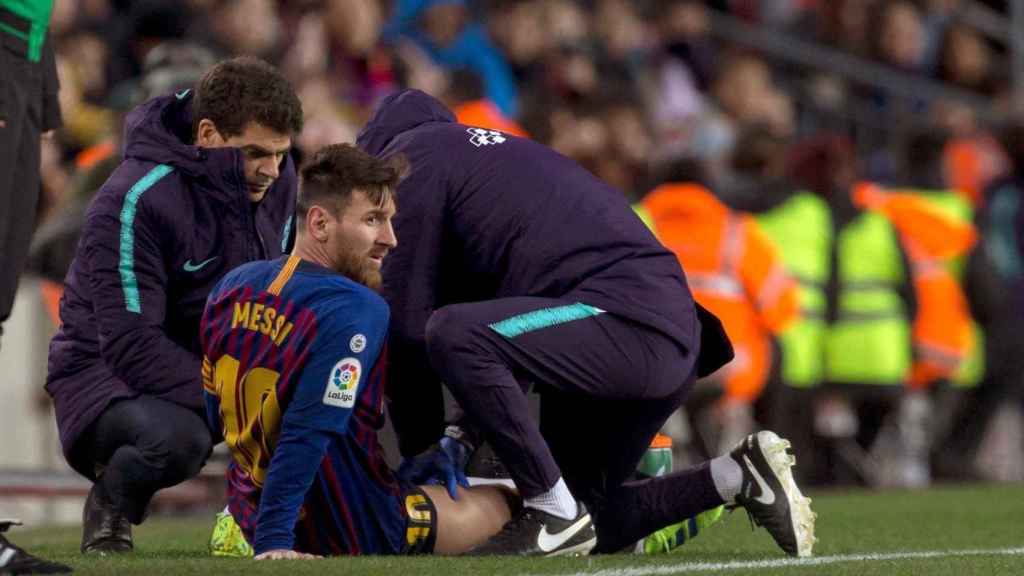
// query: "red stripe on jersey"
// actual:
[[342, 506]]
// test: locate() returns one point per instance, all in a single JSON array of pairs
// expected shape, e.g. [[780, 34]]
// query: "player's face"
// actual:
[[263, 152], [362, 237]]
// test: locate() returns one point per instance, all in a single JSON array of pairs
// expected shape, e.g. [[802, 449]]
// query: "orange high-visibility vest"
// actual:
[[734, 271], [942, 330], [485, 114]]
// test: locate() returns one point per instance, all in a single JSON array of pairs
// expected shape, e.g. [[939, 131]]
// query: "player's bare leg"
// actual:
[[478, 514]]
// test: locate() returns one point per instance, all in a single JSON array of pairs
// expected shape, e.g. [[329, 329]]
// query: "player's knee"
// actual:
[[186, 453], [446, 328]]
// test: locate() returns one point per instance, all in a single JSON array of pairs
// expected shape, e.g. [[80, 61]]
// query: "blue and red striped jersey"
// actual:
[[293, 374]]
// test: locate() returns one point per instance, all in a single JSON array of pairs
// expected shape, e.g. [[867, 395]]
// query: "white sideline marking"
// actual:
[[685, 567]]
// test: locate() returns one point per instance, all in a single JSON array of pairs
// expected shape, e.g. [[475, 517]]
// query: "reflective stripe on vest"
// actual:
[[772, 287], [724, 283], [717, 284]]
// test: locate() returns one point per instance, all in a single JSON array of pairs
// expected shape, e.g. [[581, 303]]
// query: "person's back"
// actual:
[[272, 331], [497, 216]]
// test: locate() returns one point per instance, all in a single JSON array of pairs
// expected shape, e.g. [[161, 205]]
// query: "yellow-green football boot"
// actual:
[[227, 539], [671, 538]]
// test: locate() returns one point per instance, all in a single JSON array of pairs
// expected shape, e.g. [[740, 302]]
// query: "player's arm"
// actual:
[[129, 286], [211, 401], [338, 369]]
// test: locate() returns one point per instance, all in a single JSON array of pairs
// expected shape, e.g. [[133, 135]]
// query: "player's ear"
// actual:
[[317, 222], [207, 135]]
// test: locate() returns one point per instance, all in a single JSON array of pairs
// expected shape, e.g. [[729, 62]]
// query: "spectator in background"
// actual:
[[622, 35], [251, 27], [845, 24], [744, 94], [965, 60], [465, 97], [972, 157], [1001, 223], [443, 29], [81, 59], [336, 48], [734, 271], [525, 31], [132, 28], [901, 40], [791, 205], [680, 73], [626, 161], [936, 19]]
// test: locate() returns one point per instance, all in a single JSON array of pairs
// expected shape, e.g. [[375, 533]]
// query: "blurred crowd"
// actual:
[[641, 92]]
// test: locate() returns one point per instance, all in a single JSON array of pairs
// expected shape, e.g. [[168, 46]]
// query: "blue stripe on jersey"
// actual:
[[544, 318], [126, 261]]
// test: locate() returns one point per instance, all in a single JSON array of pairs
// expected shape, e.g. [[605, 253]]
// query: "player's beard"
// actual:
[[361, 269]]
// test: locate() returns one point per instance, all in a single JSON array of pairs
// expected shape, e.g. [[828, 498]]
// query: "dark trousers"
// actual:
[[606, 386], [21, 100], [142, 445]]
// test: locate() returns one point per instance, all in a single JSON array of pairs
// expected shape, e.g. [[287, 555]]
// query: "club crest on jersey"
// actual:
[[343, 383], [484, 137], [357, 343]]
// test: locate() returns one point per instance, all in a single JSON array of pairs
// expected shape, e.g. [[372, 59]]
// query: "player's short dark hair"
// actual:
[[245, 89], [329, 178]]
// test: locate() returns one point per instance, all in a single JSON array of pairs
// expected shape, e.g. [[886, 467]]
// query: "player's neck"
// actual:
[[312, 252]]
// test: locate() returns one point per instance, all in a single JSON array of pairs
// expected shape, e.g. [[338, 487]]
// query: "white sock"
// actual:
[[727, 476], [558, 501]]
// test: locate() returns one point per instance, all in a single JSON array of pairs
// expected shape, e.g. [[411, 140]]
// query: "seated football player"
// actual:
[[293, 375]]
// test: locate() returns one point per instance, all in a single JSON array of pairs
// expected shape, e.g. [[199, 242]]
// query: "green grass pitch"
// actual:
[[955, 531]]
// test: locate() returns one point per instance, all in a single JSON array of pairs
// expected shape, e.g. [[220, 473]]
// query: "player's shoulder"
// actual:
[[348, 293], [136, 187], [251, 273], [323, 287]]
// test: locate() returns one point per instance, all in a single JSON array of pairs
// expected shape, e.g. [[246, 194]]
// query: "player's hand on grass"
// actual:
[[284, 555], [442, 464]]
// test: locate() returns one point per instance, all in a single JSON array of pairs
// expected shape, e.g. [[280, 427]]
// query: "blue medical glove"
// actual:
[[442, 464]]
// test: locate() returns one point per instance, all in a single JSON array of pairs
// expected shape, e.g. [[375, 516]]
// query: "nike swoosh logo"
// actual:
[[190, 267], [182, 94], [548, 542], [767, 496], [6, 556]]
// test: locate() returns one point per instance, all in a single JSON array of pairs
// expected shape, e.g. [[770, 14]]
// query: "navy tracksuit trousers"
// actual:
[[606, 385]]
